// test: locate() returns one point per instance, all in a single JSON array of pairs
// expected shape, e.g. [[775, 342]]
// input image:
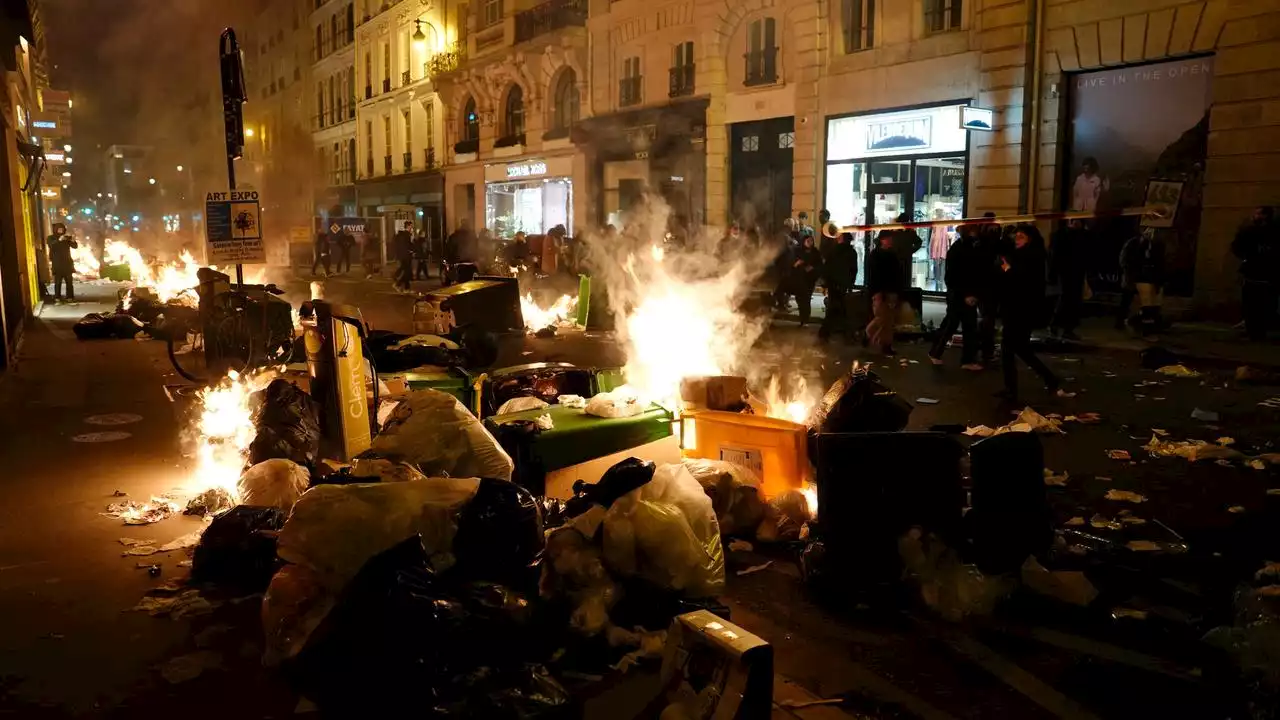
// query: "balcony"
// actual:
[[446, 61], [629, 90], [386, 164], [511, 140], [549, 17], [466, 147], [405, 78], [429, 158], [386, 85], [681, 83], [408, 161], [762, 67]]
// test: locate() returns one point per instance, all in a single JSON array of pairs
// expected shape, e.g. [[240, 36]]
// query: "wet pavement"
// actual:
[[72, 650]]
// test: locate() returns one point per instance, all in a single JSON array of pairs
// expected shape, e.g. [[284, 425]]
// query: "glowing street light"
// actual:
[[419, 37], [66, 174], [151, 181], [248, 132], [66, 148], [179, 168], [99, 194]]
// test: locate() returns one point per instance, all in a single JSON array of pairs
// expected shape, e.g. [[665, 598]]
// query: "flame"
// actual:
[[86, 263], [317, 290], [796, 404], [537, 318], [224, 431], [810, 493]]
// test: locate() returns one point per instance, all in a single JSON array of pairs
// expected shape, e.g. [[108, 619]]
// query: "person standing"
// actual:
[[1022, 286], [61, 262], [422, 256], [345, 242], [1067, 267], [787, 247], [371, 254], [1088, 188], [1142, 260], [990, 245], [454, 245], [839, 274], [884, 283], [905, 244], [402, 245], [320, 253], [1258, 248], [963, 279], [805, 266]]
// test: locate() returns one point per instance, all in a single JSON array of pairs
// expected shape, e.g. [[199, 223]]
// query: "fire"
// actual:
[[224, 431], [795, 405], [810, 493], [168, 280], [559, 314], [86, 263]]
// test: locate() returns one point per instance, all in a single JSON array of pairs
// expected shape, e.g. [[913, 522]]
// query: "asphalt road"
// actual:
[[69, 647]]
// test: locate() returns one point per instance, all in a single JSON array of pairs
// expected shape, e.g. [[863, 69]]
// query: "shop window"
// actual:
[[942, 15], [492, 13], [857, 21], [513, 117], [470, 121], [532, 206], [762, 52], [565, 110], [629, 86], [682, 70]]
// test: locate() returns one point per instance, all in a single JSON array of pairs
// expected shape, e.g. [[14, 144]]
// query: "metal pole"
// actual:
[[233, 98]]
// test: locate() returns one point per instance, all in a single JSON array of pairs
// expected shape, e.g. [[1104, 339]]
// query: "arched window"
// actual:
[[470, 121], [565, 110], [513, 116]]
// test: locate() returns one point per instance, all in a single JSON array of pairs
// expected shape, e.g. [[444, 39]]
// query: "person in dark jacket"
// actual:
[[964, 277], [61, 262], [839, 274], [1257, 245], [344, 243], [1142, 262], [517, 253], [1022, 293], [321, 253], [786, 247], [884, 283], [802, 276], [457, 247], [905, 244], [371, 254], [1067, 268], [422, 256], [402, 247], [990, 242]]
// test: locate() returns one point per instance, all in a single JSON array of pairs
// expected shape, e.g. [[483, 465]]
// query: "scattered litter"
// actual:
[[741, 546], [153, 570], [1124, 496], [802, 704], [754, 568], [1027, 420], [1271, 402], [1257, 464], [142, 548], [927, 401], [1143, 546], [119, 493], [134, 512], [210, 502], [1161, 433], [1236, 509], [1223, 463], [1132, 520], [1055, 480], [1103, 478], [1178, 371], [544, 422], [1204, 415], [1076, 521], [189, 667], [1119, 454], [1128, 613], [184, 604], [572, 401], [1064, 394], [979, 431], [1191, 450], [1103, 523], [1226, 441], [184, 563]]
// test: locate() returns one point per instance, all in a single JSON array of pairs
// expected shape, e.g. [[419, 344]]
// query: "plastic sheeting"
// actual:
[[735, 494], [435, 432], [276, 483]]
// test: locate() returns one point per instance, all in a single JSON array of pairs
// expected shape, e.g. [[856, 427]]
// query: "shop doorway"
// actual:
[[760, 172]]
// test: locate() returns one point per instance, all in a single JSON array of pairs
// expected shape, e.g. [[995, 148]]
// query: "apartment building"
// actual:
[[400, 49], [511, 96], [332, 97]]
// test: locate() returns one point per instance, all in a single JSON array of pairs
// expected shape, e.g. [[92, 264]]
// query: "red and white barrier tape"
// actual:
[[1005, 220]]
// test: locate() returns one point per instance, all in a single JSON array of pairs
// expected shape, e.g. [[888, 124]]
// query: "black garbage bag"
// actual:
[[500, 535], [238, 550], [93, 326], [288, 424], [617, 481], [1010, 517], [859, 402], [401, 636], [125, 326], [516, 438], [528, 691], [553, 512]]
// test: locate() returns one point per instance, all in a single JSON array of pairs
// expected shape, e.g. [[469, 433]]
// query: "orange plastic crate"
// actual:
[[776, 449]]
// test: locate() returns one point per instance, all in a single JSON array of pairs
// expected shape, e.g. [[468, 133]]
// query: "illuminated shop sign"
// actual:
[[45, 124], [528, 169], [976, 118]]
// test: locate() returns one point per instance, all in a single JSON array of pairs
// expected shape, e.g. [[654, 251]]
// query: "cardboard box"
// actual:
[[719, 392]]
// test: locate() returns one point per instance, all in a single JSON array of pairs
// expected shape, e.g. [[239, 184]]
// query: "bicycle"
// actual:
[[235, 328]]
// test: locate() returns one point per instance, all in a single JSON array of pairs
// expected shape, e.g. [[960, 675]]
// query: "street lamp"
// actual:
[[66, 148], [99, 194], [248, 132], [179, 168], [151, 181], [419, 37]]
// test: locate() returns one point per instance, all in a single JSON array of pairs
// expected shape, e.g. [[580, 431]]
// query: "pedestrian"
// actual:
[[552, 248], [1258, 248], [839, 274], [517, 253], [454, 245], [320, 253], [990, 246], [963, 275], [820, 237], [1142, 262], [345, 243], [371, 254], [402, 245], [422, 256], [1067, 269], [1022, 293], [61, 262], [884, 284], [805, 267], [905, 244]]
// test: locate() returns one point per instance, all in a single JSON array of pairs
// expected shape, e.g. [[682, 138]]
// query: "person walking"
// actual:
[[61, 262], [1067, 268], [371, 254], [345, 242], [402, 245], [905, 244], [990, 244], [804, 268], [421, 256], [320, 253], [963, 277], [1142, 260], [884, 283], [839, 274], [787, 247], [1258, 248], [1022, 294]]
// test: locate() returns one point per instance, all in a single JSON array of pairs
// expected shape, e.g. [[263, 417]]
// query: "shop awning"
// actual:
[[423, 188]]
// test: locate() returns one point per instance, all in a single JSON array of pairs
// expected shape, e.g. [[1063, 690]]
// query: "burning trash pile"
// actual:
[[545, 321]]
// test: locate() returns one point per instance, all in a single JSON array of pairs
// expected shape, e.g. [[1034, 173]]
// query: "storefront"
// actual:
[[531, 196], [884, 164]]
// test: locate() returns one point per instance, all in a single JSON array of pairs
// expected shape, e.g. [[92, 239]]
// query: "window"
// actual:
[[565, 110], [786, 140], [942, 15], [492, 13], [319, 51], [333, 32], [386, 133], [320, 103], [750, 143], [351, 23], [368, 146], [429, 107], [368, 74], [857, 22], [762, 52], [386, 67], [513, 114], [337, 162], [470, 121], [333, 99], [351, 94], [408, 132], [682, 70], [630, 83]]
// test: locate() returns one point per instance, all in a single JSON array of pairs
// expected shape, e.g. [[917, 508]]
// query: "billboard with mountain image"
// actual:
[[1128, 126]]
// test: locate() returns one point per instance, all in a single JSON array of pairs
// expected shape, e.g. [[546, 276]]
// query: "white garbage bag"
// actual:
[[572, 569], [294, 606], [385, 470], [734, 491], [620, 403], [335, 529], [666, 532], [438, 434], [274, 483], [520, 404]]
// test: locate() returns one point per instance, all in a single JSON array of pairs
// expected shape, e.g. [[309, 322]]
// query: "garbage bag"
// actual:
[[334, 529], [370, 468], [620, 403], [124, 326], [573, 570], [274, 483], [288, 424], [499, 535], [238, 549], [624, 477], [520, 404], [734, 491], [552, 511], [437, 433], [93, 326], [294, 606], [666, 532], [859, 402]]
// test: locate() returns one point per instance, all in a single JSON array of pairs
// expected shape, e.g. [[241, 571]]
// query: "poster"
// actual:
[[233, 228], [1129, 126], [1162, 197]]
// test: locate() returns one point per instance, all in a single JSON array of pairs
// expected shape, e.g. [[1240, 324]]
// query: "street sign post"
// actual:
[[233, 228], [231, 64]]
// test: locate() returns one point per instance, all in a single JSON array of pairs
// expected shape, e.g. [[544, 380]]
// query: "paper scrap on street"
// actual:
[[1204, 415], [1236, 509], [1119, 454], [1178, 371], [755, 568], [1191, 450], [927, 401], [1103, 523], [1055, 480], [1121, 613], [1076, 521], [1142, 545], [1124, 496]]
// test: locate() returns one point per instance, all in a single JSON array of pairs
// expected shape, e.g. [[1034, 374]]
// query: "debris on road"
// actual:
[[1236, 509], [1103, 523], [177, 606], [143, 548], [755, 568], [927, 401], [135, 512], [1054, 480], [1178, 370], [189, 667], [1028, 420], [1190, 450], [1204, 415], [1119, 455], [1122, 613], [1124, 496], [1076, 521], [740, 546]]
